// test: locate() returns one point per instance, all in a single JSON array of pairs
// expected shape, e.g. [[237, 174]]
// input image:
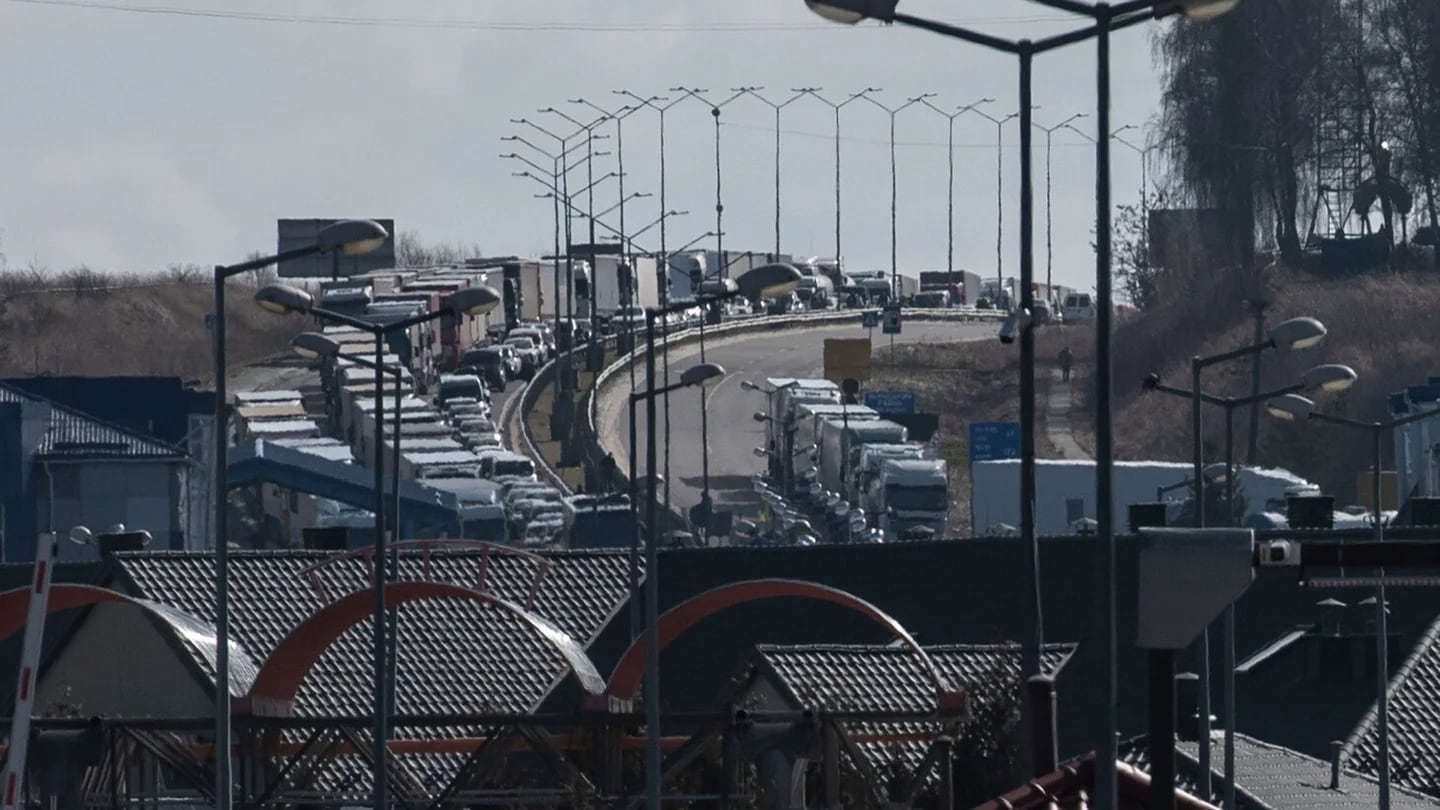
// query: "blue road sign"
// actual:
[[990, 441], [892, 321], [209, 322], [890, 401], [869, 319]]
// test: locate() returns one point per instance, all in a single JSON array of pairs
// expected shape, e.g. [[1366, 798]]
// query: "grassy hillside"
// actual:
[[89, 323], [1382, 325]]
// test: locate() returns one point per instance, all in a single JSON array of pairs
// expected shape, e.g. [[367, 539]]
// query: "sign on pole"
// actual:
[[889, 402], [870, 319], [847, 358], [891, 324], [991, 441]]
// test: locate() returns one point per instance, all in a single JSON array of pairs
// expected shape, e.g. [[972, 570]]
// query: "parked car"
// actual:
[[537, 336], [460, 386], [530, 353], [513, 363], [466, 408], [489, 364]]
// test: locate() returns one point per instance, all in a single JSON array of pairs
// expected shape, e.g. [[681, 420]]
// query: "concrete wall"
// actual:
[[120, 663]]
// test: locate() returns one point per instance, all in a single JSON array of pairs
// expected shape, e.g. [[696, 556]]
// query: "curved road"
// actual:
[[733, 432]]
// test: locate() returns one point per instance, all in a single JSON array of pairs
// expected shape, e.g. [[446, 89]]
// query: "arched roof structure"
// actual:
[[284, 671], [626, 678]]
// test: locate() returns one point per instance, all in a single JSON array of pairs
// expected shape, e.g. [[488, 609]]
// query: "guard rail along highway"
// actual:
[[515, 417]]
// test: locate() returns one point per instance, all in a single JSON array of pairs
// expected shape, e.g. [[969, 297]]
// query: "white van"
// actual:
[[1077, 307]]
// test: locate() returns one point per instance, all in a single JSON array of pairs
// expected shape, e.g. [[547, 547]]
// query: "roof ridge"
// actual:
[[1422, 647], [76, 412]]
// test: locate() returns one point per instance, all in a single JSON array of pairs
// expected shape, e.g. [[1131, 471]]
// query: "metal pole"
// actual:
[[652, 587], [950, 202], [1382, 640], [224, 782], [1030, 659], [393, 559], [1203, 651], [894, 204], [837, 184], [1252, 439], [1162, 729], [378, 562], [1000, 208], [778, 108], [1105, 776], [634, 579], [1049, 233], [563, 379], [1228, 680]]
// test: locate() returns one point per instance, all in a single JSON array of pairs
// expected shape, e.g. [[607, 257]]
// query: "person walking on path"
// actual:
[[1066, 361]]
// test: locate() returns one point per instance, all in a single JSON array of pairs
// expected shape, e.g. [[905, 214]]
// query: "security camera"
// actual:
[[1015, 323], [1280, 553]]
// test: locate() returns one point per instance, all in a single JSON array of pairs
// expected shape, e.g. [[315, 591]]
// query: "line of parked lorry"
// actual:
[[852, 465]]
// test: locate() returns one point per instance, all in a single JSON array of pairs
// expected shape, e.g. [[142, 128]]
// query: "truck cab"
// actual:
[[912, 493], [867, 470]]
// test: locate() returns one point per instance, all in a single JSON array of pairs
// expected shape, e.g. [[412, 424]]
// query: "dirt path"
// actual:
[[1057, 418]]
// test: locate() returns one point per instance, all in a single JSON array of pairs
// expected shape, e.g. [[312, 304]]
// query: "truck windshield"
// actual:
[[917, 499]]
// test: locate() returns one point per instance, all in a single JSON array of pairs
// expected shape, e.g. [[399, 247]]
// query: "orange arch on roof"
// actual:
[[629, 672], [285, 669], [14, 604]]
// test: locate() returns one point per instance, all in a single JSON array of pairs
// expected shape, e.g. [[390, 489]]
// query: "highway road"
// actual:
[[732, 430]]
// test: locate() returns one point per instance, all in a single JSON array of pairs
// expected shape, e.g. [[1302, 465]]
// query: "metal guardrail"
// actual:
[[588, 431]]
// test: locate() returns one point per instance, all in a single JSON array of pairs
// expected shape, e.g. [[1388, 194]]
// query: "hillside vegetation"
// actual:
[[88, 323], [1380, 324]]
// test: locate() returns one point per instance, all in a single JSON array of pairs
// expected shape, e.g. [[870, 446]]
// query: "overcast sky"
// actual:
[[141, 133]]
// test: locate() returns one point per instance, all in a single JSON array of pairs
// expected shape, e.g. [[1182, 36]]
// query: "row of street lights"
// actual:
[[1106, 18]]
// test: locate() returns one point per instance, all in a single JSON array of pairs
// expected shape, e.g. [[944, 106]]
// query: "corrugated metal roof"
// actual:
[[72, 434]]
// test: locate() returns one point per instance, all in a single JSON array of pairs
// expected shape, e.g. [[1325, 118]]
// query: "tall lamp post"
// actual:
[[1049, 207], [836, 107], [1295, 334], [999, 193], [589, 192], [893, 112], [1295, 408], [950, 174], [472, 301], [353, 237], [1106, 18], [777, 108], [1327, 378], [767, 281]]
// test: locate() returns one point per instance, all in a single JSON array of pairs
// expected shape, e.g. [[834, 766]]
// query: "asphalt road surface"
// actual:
[[732, 430]]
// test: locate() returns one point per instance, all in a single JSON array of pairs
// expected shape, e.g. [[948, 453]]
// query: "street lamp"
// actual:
[[350, 237], [1107, 19], [1329, 378], [894, 203], [777, 107], [1295, 408], [766, 281], [471, 301], [1295, 334], [836, 106], [950, 175], [1049, 209]]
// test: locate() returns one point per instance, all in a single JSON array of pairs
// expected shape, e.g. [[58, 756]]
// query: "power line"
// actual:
[[483, 25]]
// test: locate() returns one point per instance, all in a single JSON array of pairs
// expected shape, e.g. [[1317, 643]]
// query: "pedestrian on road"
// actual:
[[1066, 361]]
